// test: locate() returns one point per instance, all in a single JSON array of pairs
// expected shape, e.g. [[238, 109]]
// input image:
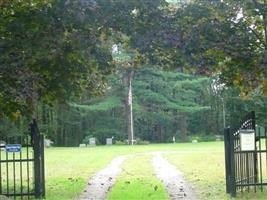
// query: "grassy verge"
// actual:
[[138, 181], [204, 168]]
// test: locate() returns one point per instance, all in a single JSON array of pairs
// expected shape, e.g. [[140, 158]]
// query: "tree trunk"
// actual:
[[129, 110]]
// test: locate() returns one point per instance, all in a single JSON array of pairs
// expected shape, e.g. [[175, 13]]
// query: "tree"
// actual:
[[207, 37], [55, 51], [49, 53], [163, 103]]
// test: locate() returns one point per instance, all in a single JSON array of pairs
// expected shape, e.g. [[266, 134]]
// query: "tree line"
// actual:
[[53, 52], [165, 105]]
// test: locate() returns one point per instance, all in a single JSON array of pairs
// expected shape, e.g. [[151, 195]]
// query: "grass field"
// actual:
[[68, 170]]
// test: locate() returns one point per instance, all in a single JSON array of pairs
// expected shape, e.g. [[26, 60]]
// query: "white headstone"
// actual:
[[82, 145], [92, 141], [218, 138], [109, 141], [194, 141], [48, 143]]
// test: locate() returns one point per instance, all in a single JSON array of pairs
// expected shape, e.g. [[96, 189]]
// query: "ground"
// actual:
[[68, 170]]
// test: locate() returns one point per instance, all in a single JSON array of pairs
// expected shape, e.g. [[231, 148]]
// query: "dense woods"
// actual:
[[197, 66], [165, 105]]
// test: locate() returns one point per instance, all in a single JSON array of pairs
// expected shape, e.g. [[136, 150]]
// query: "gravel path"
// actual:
[[173, 180], [102, 182], [177, 187]]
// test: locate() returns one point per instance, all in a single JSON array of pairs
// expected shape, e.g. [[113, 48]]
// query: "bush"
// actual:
[[142, 142], [119, 142], [207, 138], [203, 137]]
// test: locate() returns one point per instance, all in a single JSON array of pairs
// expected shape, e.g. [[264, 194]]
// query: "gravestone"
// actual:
[[194, 141], [109, 141], [92, 142], [48, 143], [218, 138], [82, 145]]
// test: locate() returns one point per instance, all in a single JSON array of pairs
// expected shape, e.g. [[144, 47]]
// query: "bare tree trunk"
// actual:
[[129, 109]]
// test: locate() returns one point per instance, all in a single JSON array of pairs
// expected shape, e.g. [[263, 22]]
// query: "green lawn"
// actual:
[[68, 170]]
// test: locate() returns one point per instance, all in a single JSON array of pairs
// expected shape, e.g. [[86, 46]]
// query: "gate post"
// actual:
[[253, 121], [38, 149], [227, 158], [232, 183]]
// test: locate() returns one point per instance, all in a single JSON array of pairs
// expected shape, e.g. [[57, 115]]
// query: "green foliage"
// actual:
[[7, 128], [57, 51], [205, 37], [159, 100], [11, 128], [59, 56], [104, 105], [142, 142]]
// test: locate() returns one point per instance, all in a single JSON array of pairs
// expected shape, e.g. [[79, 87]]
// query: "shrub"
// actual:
[[142, 142], [203, 137], [119, 142]]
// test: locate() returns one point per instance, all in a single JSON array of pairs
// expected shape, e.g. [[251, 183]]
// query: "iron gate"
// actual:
[[22, 165], [246, 170]]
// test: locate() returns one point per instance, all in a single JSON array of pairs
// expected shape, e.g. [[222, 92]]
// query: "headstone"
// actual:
[[218, 138], [109, 141], [194, 141], [47, 143], [82, 145], [92, 142]]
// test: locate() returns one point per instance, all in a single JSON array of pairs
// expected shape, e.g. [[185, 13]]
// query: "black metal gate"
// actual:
[[22, 165], [246, 169]]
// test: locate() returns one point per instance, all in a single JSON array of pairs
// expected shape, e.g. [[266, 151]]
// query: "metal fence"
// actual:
[[22, 165], [245, 164]]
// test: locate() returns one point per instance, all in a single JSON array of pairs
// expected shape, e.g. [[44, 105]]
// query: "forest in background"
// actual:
[[165, 105], [56, 66]]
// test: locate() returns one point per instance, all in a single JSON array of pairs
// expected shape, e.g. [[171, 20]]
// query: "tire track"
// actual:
[[101, 183], [173, 180]]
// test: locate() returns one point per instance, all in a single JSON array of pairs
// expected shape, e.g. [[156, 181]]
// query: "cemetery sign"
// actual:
[[13, 148], [247, 139]]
